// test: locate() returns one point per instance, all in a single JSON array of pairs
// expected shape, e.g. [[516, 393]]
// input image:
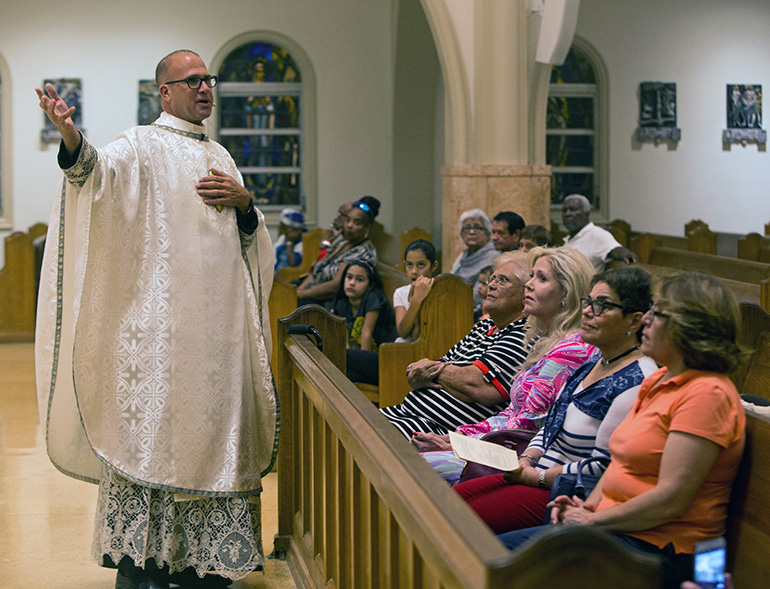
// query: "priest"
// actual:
[[153, 343]]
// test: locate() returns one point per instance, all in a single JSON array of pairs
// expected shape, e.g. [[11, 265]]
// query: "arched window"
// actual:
[[575, 127], [260, 122]]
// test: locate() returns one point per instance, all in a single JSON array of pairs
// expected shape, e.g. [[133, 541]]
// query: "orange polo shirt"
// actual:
[[703, 404]]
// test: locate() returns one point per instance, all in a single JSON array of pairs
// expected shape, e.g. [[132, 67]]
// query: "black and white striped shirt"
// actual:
[[498, 354]]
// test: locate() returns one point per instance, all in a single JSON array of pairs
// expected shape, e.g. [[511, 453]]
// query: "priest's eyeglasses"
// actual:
[[598, 305], [194, 82]]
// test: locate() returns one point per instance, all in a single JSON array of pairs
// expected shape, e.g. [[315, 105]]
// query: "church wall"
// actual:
[[417, 77], [111, 46], [702, 45]]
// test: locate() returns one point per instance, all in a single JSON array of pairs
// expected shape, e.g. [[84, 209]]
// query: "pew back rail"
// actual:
[[18, 284], [359, 507]]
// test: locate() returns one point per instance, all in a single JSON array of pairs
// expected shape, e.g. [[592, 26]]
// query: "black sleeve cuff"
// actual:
[[65, 159], [248, 221]]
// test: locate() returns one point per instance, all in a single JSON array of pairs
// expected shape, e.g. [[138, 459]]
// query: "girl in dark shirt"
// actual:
[[361, 300]]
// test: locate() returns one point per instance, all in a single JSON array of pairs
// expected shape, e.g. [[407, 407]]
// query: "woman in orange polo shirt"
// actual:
[[677, 452]]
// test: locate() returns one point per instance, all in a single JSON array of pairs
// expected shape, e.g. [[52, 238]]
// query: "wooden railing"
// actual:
[[18, 285], [359, 507], [748, 522]]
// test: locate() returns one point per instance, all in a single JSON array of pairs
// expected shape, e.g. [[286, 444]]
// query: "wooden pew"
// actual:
[[408, 237], [750, 281], [392, 278], [748, 529], [359, 507], [753, 378], [311, 244], [743, 291], [755, 247], [748, 522], [446, 317], [621, 231], [700, 239], [283, 300], [18, 285]]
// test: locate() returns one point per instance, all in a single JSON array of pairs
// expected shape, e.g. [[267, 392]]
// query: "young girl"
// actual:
[[362, 302], [420, 264]]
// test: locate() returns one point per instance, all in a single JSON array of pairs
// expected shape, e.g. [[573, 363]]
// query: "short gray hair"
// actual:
[[476, 214], [520, 261], [585, 204]]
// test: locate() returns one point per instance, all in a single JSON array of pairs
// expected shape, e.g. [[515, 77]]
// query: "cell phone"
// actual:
[[709, 563]]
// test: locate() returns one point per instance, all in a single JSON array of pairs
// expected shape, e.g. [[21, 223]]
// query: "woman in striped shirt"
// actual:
[[593, 402], [551, 298]]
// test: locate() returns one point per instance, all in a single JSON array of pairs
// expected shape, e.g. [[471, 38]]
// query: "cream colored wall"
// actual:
[[417, 81], [701, 45], [110, 46]]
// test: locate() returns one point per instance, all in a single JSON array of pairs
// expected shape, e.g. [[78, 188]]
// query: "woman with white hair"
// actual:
[[480, 252]]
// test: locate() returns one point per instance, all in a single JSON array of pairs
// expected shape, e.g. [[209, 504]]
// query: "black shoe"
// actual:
[[136, 578], [189, 579]]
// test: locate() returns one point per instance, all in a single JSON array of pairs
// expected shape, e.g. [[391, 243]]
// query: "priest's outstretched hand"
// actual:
[[60, 115]]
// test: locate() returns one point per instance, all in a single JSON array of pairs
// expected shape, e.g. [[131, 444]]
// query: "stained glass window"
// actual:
[[260, 123], [571, 129]]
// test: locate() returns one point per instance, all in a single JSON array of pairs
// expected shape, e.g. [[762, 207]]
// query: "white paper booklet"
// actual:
[[487, 453]]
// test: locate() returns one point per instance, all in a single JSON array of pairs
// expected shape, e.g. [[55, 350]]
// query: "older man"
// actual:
[[597, 244], [471, 382], [153, 340], [506, 231]]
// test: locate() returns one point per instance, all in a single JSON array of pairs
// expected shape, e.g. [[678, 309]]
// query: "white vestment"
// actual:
[[153, 340]]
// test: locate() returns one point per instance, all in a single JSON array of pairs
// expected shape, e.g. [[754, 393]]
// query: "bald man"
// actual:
[[153, 340]]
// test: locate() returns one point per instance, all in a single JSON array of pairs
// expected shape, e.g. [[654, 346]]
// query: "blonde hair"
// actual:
[[573, 272]]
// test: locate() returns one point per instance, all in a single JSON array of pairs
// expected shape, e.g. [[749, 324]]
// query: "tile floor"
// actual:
[[46, 518]]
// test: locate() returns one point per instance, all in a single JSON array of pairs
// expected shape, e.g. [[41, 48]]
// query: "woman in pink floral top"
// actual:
[[552, 301], [535, 389]]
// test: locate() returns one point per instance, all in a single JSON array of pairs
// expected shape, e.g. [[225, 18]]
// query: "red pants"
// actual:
[[502, 506]]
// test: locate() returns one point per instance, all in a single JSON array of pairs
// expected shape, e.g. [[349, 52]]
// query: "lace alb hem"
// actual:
[[210, 534]]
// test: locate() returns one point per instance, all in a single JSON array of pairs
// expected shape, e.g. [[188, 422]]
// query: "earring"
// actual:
[[563, 303]]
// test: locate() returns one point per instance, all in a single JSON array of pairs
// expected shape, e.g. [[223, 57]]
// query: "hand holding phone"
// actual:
[[709, 563]]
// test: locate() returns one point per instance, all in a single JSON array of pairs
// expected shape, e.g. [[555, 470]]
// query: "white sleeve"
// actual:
[[401, 296]]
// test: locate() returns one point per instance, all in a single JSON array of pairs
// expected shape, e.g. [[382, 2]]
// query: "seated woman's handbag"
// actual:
[[579, 484], [515, 439]]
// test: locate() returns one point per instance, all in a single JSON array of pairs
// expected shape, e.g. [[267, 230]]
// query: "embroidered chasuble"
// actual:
[[152, 342]]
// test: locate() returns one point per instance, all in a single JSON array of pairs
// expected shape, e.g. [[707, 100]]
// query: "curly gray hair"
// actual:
[[476, 214]]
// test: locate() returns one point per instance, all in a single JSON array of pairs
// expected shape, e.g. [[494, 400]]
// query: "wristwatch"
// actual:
[[541, 480]]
